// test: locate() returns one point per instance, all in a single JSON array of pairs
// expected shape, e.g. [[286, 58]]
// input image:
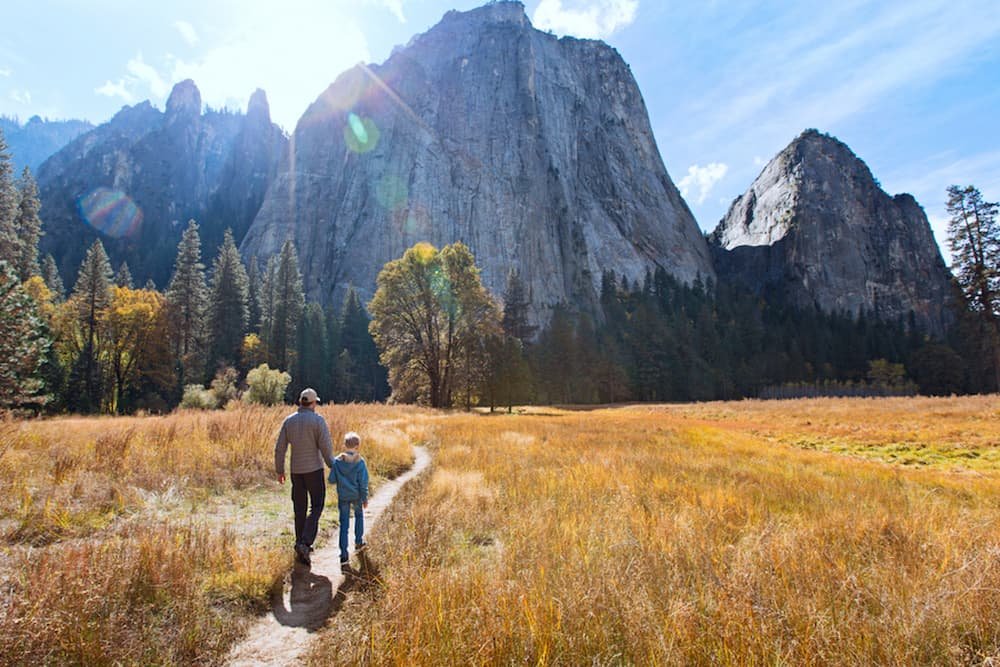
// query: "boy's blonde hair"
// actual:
[[352, 440]]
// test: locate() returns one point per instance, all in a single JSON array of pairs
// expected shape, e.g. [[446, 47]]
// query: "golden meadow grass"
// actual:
[[691, 535], [733, 533], [151, 539]]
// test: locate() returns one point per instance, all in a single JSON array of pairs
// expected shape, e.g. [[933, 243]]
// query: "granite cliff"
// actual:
[[136, 180], [536, 152], [816, 229]]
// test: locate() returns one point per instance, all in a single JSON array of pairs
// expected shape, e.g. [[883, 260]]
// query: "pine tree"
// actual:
[[288, 302], [23, 345], [265, 295], [254, 285], [187, 298], [366, 378], [515, 309], [91, 295], [123, 277], [312, 352], [50, 273], [29, 227], [974, 237], [229, 311], [10, 244]]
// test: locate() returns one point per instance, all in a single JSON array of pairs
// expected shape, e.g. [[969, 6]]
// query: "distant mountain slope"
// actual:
[[136, 180], [536, 152], [32, 143], [815, 228]]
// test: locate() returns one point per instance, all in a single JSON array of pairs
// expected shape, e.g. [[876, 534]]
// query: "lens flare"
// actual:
[[111, 212], [360, 134]]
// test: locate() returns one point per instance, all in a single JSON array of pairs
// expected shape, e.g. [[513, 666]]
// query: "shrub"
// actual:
[[267, 386], [224, 386], [197, 397]]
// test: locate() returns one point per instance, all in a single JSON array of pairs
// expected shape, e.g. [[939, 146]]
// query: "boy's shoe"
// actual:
[[302, 554]]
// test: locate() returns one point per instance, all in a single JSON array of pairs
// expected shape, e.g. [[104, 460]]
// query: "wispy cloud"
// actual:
[[187, 32], [141, 80], [702, 179], [595, 19], [819, 74], [5, 72], [394, 6], [112, 89], [21, 96]]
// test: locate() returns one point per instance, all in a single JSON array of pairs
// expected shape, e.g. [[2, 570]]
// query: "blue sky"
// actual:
[[912, 86]]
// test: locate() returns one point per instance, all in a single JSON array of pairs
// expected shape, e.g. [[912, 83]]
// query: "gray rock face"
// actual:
[[816, 229], [136, 180], [534, 151]]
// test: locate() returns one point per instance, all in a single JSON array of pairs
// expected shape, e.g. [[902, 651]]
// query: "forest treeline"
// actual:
[[230, 331]]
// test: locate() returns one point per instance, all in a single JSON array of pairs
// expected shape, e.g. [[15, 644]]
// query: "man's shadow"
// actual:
[[311, 601]]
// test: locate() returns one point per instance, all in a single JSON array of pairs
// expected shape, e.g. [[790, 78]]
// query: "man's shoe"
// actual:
[[302, 554]]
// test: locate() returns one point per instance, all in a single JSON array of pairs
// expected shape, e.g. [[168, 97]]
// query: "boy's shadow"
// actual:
[[311, 602]]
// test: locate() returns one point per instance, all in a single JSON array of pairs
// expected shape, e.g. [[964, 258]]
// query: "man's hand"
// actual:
[[364, 505], [281, 478]]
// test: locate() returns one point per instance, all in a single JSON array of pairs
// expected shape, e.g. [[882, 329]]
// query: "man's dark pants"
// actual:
[[308, 495]]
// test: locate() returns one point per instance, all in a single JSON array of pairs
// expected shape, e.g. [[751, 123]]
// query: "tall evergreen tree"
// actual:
[[23, 345], [187, 298], [29, 226], [515, 309], [287, 305], [50, 274], [974, 237], [312, 352], [364, 377], [91, 295], [266, 301], [228, 309], [123, 276], [254, 285], [10, 244]]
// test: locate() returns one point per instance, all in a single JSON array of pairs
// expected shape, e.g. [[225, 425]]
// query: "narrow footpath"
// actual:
[[311, 595]]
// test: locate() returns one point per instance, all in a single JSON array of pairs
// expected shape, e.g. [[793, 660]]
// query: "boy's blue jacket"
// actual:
[[350, 474]]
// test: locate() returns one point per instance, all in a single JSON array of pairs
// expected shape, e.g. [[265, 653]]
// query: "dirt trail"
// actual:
[[312, 595]]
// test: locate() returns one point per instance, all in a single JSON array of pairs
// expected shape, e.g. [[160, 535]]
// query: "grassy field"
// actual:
[[740, 533], [151, 540], [799, 532]]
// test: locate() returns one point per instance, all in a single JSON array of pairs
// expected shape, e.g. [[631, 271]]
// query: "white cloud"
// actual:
[[595, 19], [21, 96], [703, 179], [291, 59], [394, 6], [146, 74], [187, 31], [110, 89], [5, 72]]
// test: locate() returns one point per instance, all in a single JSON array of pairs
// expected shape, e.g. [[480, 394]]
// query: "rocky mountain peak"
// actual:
[[535, 152], [184, 100], [258, 110], [505, 11], [816, 229]]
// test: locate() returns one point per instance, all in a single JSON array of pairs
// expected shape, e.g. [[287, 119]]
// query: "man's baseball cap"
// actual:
[[308, 396]]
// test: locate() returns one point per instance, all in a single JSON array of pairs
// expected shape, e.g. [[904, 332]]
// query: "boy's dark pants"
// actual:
[[308, 494]]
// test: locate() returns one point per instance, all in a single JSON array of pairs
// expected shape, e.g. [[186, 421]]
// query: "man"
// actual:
[[309, 437]]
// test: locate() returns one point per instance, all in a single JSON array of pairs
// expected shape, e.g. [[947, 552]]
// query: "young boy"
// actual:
[[350, 474]]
